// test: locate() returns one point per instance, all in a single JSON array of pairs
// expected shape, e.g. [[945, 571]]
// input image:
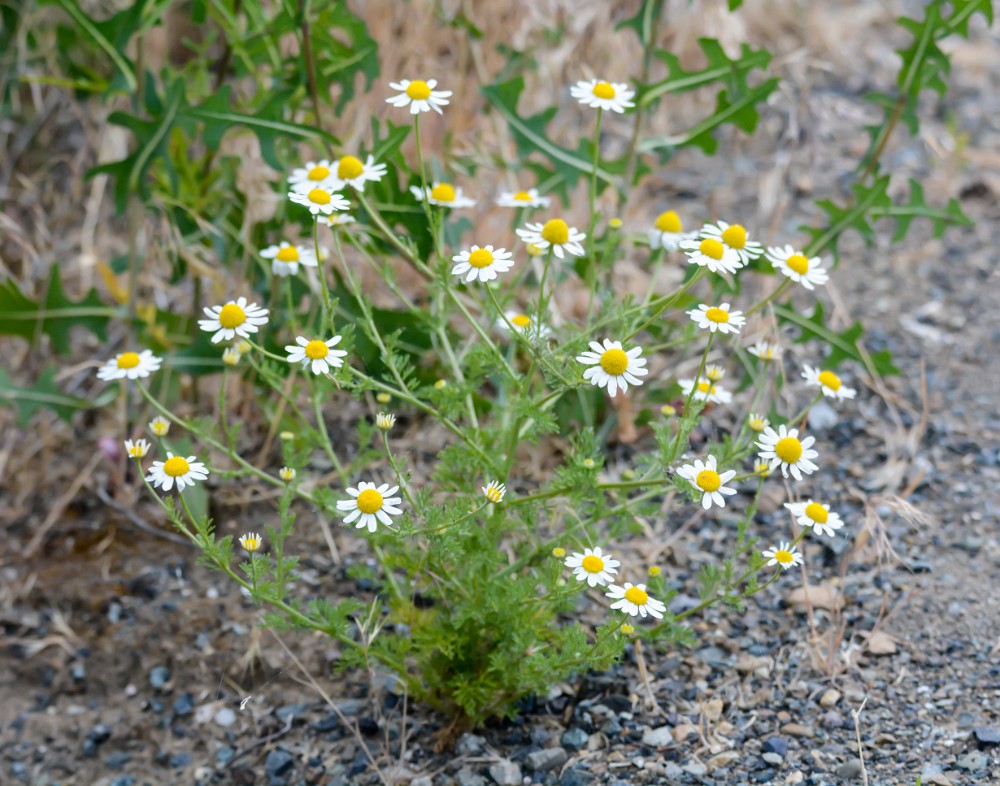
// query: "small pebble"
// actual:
[[470, 745], [547, 759], [660, 737], [576, 777], [850, 770], [829, 698], [505, 773], [277, 763], [225, 717], [986, 736], [159, 677], [777, 745], [973, 761], [574, 739], [774, 759], [467, 777]]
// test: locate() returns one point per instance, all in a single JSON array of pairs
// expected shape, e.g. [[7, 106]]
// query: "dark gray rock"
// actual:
[[850, 770], [277, 763], [547, 759], [973, 761], [470, 745], [467, 777], [179, 761], [505, 773], [574, 739], [184, 705], [576, 777], [777, 745], [159, 676], [986, 736]]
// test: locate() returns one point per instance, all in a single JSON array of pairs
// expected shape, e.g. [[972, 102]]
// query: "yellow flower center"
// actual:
[[715, 373], [711, 247], [418, 90], [349, 168], [556, 231], [798, 263], [817, 512], [176, 466], [757, 424], [735, 236], [706, 387], [319, 197], [481, 258], [251, 543], [232, 316], [494, 495], [636, 596], [521, 320], [604, 90], [522, 196], [614, 361], [318, 173], [443, 192], [316, 349], [592, 564], [669, 221], [788, 450], [369, 501], [783, 557], [830, 380], [717, 315], [288, 254], [708, 480], [128, 360]]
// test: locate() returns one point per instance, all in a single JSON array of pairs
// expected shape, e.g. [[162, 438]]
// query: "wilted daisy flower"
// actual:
[[558, 553], [593, 567], [494, 491], [734, 236], [633, 600], [160, 426], [711, 253], [137, 449], [529, 198], [555, 234], [615, 96], [286, 258], [320, 200], [785, 555], [797, 266], [718, 318], [757, 422], [176, 469], [287, 474], [251, 542], [705, 477], [442, 194], [816, 515], [714, 373], [784, 448], [384, 421], [524, 324], [371, 504], [339, 219], [231, 356], [316, 353], [483, 263], [612, 367], [705, 391], [419, 95], [828, 382], [312, 175], [626, 630], [130, 365], [235, 318], [535, 251], [350, 171], [765, 350], [762, 468], [668, 232]]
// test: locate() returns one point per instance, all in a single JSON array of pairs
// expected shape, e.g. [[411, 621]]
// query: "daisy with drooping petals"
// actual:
[[717, 318], [231, 356], [614, 96], [705, 390], [761, 468], [160, 426], [483, 263], [785, 555], [704, 476], [443, 195], [251, 542], [419, 95], [828, 382], [286, 258], [612, 367], [634, 600], [137, 449], [384, 421], [784, 448], [714, 372], [287, 474], [316, 353], [668, 232], [130, 365], [494, 491], [176, 469], [555, 234], [711, 253], [816, 515], [312, 175], [523, 324], [734, 237], [320, 200], [335, 220], [370, 505], [529, 198], [765, 350], [235, 318], [593, 567], [797, 266], [757, 422], [351, 171]]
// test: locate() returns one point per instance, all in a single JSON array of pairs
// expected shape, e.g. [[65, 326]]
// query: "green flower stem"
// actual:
[[327, 308], [482, 333], [265, 352], [776, 293], [392, 238], [802, 414], [321, 426], [527, 342], [457, 521], [628, 484], [656, 263], [384, 272], [396, 472], [666, 302], [293, 315], [690, 395], [543, 301], [593, 177]]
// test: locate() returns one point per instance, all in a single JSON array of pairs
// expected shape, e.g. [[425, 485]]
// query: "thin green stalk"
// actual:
[[690, 395], [667, 301], [593, 177]]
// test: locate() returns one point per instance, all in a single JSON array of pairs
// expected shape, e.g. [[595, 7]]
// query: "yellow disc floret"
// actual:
[[614, 361], [418, 90], [522, 196], [711, 247], [817, 512], [669, 221], [556, 231], [128, 360], [604, 90], [830, 380], [735, 236], [232, 316], [318, 173], [316, 349], [288, 254], [318, 196], [784, 557], [481, 258], [522, 321], [592, 564], [636, 596], [708, 480], [349, 168], [788, 450], [798, 263], [175, 466], [443, 192], [717, 315], [369, 501]]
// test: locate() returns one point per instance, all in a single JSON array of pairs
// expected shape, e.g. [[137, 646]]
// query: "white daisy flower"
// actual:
[[482, 262], [130, 365], [803, 270], [320, 200], [442, 194], [828, 382], [612, 367], [371, 504], [235, 318], [160, 426], [231, 356], [765, 350], [287, 474], [616, 96], [419, 95], [816, 515], [706, 391], [176, 469], [529, 198], [784, 448], [757, 422], [137, 449], [784, 555], [286, 258], [633, 600], [494, 491], [711, 253], [554, 233], [717, 318], [339, 219], [761, 468], [593, 567], [714, 373], [734, 236], [251, 542], [350, 171], [312, 175], [316, 353], [523, 324], [384, 421], [668, 232], [704, 476]]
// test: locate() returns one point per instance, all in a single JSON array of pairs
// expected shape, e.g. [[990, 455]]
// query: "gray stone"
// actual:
[[973, 761], [159, 677], [850, 770], [547, 759], [224, 717], [574, 739], [505, 773], [576, 777], [470, 745], [986, 736], [696, 769], [822, 416], [423, 780], [660, 737], [777, 745], [466, 777], [774, 759], [277, 763], [184, 705]]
